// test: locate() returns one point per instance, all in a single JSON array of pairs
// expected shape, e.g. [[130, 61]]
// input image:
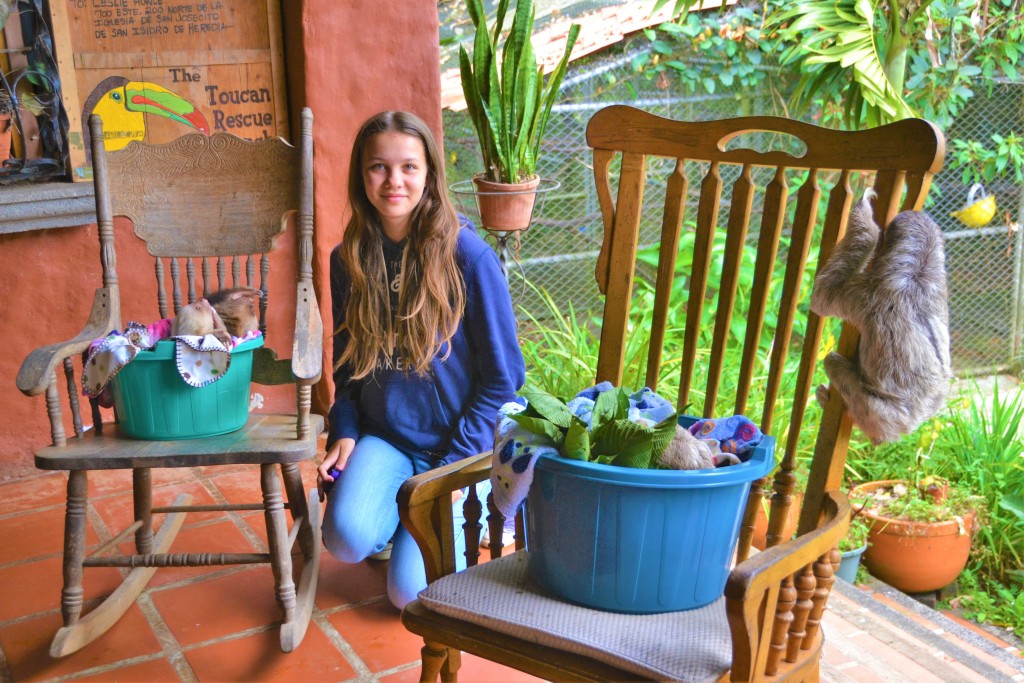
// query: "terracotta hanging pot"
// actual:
[[914, 557], [505, 207]]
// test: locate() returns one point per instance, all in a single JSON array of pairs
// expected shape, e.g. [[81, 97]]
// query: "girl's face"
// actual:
[[394, 174]]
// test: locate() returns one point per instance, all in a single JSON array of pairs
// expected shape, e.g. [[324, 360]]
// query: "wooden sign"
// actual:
[[157, 69]]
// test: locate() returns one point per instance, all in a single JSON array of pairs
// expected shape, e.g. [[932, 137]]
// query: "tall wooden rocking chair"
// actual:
[[745, 290], [207, 208]]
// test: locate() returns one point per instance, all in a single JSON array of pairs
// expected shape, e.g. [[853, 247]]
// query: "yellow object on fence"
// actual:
[[977, 212]]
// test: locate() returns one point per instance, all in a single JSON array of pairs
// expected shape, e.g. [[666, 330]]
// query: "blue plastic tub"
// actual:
[[153, 401], [635, 540]]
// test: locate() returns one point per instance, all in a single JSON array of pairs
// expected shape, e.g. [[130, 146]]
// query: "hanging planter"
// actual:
[[509, 102], [505, 206], [980, 208], [505, 210]]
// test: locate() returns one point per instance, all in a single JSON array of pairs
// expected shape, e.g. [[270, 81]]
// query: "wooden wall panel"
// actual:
[[156, 69]]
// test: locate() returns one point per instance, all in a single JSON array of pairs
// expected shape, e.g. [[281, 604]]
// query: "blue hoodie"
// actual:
[[451, 411]]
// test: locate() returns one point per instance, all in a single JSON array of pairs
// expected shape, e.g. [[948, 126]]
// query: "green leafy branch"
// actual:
[[611, 439]]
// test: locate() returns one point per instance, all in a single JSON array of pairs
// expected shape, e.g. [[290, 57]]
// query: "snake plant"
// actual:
[[506, 95]]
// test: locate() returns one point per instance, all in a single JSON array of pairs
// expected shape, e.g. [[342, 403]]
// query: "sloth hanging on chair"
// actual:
[[891, 285]]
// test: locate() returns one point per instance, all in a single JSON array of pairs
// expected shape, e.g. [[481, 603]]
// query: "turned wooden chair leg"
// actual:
[[305, 514], [74, 547], [293, 489], [142, 493], [451, 666], [277, 538], [433, 658]]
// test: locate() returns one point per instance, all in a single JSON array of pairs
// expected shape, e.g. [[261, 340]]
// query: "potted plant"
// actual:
[[852, 546], [599, 507], [509, 103], [919, 534]]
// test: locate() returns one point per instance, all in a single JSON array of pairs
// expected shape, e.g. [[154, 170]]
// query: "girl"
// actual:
[[425, 348]]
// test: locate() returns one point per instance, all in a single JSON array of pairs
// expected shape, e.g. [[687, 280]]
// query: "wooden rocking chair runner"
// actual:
[[767, 624], [221, 201]]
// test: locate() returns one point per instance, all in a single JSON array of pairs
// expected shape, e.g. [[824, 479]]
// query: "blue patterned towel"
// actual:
[[736, 434]]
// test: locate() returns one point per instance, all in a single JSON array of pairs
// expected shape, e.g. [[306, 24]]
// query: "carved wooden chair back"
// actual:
[[205, 206], [725, 293], [209, 210], [746, 291]]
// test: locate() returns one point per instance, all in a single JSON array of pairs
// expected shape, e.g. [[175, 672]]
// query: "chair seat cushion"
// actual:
[[693, 645]]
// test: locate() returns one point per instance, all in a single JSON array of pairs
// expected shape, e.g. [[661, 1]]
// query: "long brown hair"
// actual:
[[432, 294]]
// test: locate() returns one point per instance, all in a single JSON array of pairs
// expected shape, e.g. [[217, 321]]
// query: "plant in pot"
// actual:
[[600, 510], [919, 531], [852, 546], [509, 103]]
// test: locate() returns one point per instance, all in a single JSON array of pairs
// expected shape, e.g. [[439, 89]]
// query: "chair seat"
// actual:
[[265, 438], [694, 645]]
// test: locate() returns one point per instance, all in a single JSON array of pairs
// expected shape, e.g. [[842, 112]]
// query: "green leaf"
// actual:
[[610, 405], [1013, 503], [628, 442], [577, 442], [541, 427], [661, 47], [664, 432], [549, 407]]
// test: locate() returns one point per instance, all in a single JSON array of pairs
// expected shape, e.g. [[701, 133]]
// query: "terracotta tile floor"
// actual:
[[193, 624], [220, 623]]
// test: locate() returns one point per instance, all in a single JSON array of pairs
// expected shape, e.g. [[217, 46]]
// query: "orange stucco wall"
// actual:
[[345, 60]]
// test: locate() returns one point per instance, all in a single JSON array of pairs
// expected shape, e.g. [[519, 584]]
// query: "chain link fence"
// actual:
[[557, 255]]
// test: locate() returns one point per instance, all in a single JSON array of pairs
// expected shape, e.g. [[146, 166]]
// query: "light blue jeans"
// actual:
[[361, 515]]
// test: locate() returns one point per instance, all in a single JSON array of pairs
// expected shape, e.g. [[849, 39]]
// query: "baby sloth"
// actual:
[[237, 308], [199, 318], [687, 452], [891, 285]]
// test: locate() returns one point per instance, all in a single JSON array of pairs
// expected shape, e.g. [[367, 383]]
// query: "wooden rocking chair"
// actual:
[[767, 626], [218, 202]]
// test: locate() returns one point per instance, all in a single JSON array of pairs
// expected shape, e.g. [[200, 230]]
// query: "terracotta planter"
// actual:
[[760, 537], [505, 207], [915, 557], [5, 136]]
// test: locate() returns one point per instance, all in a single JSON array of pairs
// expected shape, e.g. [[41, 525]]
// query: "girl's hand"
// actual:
[[336, 458]]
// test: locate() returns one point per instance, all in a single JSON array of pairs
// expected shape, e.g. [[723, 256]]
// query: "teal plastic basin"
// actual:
[[153, 402], [634, 540]]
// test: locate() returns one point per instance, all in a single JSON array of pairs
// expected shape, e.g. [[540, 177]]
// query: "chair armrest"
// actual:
[[753, 586], [308, 344], [425, 506], [34, 375]]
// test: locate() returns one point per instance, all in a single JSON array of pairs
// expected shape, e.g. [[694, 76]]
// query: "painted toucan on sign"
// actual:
[[123, 105]]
